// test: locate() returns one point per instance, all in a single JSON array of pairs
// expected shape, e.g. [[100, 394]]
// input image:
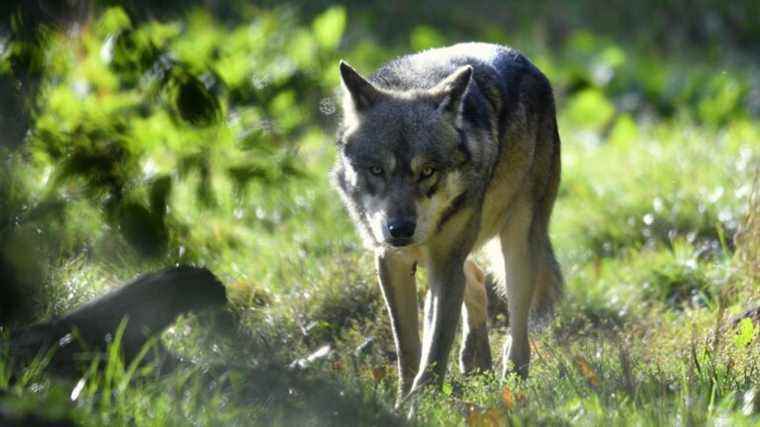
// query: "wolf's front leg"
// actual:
[[443, 306], [399, 288]]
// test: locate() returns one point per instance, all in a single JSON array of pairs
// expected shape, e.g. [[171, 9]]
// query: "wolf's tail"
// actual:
[[549, 286], [549, 280]]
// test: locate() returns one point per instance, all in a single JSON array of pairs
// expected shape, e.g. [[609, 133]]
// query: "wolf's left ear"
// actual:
[[449, 93]]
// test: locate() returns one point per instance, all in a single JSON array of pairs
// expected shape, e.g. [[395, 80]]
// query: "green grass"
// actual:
[[643, 226], [640, 318]]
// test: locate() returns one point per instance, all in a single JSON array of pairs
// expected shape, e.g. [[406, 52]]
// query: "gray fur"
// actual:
[[463, 142]]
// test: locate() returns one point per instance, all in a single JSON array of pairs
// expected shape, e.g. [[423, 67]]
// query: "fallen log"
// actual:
[[148, 304]]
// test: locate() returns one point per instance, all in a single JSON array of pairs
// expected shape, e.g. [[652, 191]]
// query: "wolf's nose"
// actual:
[[402, 229]]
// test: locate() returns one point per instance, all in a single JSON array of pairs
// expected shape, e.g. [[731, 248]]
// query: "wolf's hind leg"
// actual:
[[520, 278], [476, 351]]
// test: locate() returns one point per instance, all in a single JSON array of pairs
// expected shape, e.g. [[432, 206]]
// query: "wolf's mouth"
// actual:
[[399, 241]]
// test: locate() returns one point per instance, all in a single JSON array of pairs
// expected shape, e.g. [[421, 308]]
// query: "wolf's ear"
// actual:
[[359, 91], [449, 93]]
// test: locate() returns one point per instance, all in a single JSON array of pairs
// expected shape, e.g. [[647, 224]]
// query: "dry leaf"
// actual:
[[378, 373], [508, 398], [586, 371], [494, 418], [474, 418]]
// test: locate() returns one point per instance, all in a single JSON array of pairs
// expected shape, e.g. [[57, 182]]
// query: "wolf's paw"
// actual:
[[407, 403], [516, 358], [476, 352]]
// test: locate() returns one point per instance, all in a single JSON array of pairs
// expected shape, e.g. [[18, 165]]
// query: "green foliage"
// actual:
[[746, 333], [722, 101], [425, 37], [154, 99], [590, 108], [328, 27], [599, 74]]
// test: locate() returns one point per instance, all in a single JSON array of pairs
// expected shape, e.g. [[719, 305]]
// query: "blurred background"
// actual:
[[136, 135]]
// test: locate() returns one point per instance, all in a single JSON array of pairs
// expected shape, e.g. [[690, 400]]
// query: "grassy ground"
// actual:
[[644, 228]]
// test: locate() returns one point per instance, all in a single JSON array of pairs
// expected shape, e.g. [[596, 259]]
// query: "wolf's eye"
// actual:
[[376, 170], [427, 172]]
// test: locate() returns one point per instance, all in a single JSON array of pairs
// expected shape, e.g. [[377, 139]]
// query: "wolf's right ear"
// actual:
[[359, 91]]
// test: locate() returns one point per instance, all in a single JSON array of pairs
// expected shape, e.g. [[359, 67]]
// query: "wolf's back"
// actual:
[[425, 69], [507, 86]]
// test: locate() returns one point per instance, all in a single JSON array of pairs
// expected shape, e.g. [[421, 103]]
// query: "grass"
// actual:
[[644, 228], [635, 341]]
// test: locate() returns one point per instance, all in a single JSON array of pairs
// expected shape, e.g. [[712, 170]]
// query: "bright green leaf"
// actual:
[[745, 334], [329, 26], [425, 37]]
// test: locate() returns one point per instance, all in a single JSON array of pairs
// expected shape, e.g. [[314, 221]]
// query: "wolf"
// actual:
[[440, 152]]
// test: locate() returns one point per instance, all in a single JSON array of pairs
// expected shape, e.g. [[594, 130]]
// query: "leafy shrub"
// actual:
[[127, 112]]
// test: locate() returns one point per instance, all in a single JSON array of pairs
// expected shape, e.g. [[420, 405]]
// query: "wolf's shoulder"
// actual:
[[425, 69]]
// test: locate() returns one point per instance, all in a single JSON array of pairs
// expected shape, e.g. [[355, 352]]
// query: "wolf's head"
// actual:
[[402, 155]]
